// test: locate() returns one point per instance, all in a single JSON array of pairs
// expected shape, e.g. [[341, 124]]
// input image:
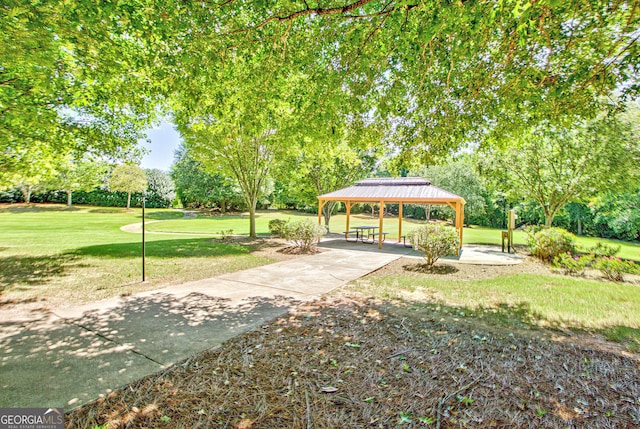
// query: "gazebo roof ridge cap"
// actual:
[[393, 181]]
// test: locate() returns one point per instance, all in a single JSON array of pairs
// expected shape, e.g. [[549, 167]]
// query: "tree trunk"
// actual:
[[128, 200], [69, 193], [579, 225], [252, 220], [548, 217], [223, 207], [327, 209], [26, 192]]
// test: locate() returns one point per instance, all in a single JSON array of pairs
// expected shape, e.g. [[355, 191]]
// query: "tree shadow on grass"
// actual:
[[180, 248], [34, 208], [33, 270], [111, 210], [163, 215], [520, 317]]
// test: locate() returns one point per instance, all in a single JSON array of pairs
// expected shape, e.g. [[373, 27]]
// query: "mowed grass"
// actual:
[[612, 309], [71, 256], [479, 235], [239, 224]]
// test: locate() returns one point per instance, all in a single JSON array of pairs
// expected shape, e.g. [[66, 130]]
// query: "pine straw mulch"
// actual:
[[355, 363]]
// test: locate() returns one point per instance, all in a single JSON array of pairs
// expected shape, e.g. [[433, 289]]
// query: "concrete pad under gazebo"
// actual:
[[402, 190]]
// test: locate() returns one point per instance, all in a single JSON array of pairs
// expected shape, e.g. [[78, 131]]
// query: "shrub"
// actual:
[[615, 268], [572, 264], [548, 243], [226, 236], [276, 227], [435, 241], [603, 249], [303, 234]]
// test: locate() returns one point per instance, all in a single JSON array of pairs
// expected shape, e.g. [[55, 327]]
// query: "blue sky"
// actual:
[[164, 141]]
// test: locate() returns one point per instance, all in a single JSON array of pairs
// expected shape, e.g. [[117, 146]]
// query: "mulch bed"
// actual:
[[350, 363]]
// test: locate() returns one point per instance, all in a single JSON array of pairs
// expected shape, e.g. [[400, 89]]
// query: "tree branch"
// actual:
[[321, 11]]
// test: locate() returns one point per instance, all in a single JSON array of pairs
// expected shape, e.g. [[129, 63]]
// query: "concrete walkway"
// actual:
[[74, 355]]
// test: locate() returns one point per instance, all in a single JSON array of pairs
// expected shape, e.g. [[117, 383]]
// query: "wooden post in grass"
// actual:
[[512, 226]]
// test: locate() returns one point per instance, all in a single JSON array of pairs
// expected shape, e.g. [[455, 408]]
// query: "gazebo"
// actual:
[[403, 190]]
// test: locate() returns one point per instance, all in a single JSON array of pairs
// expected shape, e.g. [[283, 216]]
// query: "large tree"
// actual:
[[197, 188], [72, 81], [320, 168], [554, 166], [241, 128], [74, 175], [79, 75], [246, 154], [440, 74], [128, 178], [460, 178]]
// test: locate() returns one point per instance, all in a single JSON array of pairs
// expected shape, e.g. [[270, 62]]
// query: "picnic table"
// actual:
[[364, 234]]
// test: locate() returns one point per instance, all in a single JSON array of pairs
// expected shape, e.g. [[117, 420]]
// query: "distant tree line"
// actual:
[[98, 185]]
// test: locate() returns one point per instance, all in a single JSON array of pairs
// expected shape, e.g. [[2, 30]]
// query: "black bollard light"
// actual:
[[143, 252]]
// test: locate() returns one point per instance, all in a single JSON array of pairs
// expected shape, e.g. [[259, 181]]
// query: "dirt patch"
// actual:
[[431, 269], [347, 363], [293, 250], [274, 248]]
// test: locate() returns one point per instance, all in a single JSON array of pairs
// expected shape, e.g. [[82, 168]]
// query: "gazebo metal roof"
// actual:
[[401, 190], [409, 189]]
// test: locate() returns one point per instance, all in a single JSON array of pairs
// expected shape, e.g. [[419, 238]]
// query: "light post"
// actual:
[[143, 250]]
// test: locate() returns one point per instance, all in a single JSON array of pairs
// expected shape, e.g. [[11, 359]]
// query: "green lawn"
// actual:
[[609, 308], [213, 225], [472, 235], [78, 255]]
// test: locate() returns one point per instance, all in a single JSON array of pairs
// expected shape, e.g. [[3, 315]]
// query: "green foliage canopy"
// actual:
[[198, 189], [72, 80], [77, 176], [460, 178], [160, 187], [437, 74], [128, 178], [555, 166], [432, 75]]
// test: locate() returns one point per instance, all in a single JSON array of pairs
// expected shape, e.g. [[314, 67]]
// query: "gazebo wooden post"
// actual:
[[381, 221], [399, 221], [320, 205], [346, 231], [461, 203], [459, 220]]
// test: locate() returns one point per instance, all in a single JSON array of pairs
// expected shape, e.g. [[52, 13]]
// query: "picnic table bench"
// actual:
[[375, 234], [348, 234]]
